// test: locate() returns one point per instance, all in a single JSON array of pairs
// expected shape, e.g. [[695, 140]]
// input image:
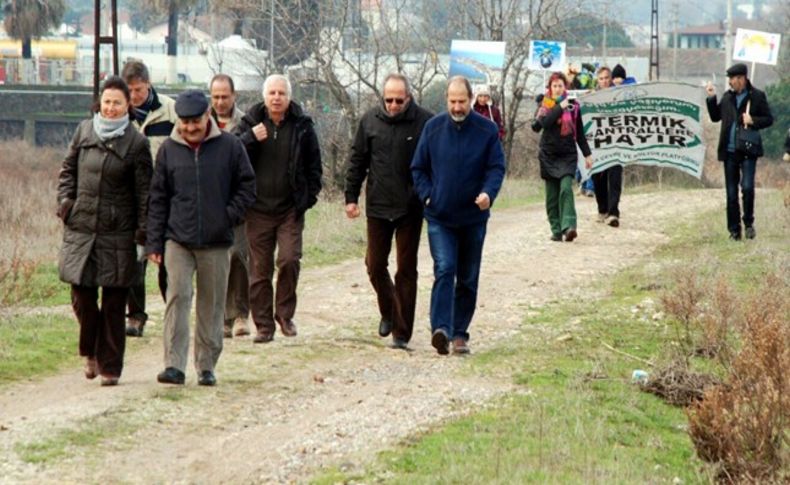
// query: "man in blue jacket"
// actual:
[[458, 170], [203, 185]]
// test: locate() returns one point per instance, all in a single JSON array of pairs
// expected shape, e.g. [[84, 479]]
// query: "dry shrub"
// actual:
[[742, 425], [15, 275], [682, 303], [678, 385], [717, 323]]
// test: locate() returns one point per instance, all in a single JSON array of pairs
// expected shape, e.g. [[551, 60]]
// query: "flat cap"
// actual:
[[191, 104], [737, 70]]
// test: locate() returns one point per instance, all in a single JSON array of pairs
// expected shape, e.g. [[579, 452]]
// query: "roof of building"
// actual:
[[719, 28]]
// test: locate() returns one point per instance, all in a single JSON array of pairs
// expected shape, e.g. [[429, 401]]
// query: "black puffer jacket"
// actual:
[[102, 195], [198, 196], [304, 169], [558, 156], [727, 113], [382, 151]]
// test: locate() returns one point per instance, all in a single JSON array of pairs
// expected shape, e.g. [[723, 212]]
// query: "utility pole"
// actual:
[[99, 39], [675, 27], [605, 25], [654, 41]]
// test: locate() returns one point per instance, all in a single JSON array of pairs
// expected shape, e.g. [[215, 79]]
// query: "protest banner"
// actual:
[[478, 61], [645, 124]]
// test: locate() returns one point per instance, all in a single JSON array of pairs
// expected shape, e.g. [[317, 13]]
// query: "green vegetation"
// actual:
[[575, 416], [779, 99]]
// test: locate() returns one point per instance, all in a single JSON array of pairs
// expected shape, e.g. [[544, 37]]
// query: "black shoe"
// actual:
[[750, 232], [207, 378], [399, 344], [171, 375], [385, 327], [556, 237], [263, 337], [134, 327], [440, 342], [735, 236]]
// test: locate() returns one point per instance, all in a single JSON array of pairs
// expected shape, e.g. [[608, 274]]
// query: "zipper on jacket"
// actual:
[[197, 184]]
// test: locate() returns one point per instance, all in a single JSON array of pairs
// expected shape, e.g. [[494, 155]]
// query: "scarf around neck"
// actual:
[[141, 112], [107, 128], [567, 119]]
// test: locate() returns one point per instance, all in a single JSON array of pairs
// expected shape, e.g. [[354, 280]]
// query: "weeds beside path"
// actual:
[[334, 395]]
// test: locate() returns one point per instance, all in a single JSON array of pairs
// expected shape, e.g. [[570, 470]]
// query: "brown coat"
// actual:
[[102, 197]]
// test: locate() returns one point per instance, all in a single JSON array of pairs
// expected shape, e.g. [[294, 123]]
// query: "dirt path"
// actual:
[[334, 395]]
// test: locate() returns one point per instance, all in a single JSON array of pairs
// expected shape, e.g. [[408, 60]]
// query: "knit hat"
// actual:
[[191, 104], [482, 89], [618, 71]]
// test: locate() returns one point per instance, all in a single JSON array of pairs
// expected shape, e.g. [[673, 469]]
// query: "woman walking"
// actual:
[[102, 197], [561, 122]]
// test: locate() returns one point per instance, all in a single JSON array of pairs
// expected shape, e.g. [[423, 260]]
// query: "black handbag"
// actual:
[[748, 141]]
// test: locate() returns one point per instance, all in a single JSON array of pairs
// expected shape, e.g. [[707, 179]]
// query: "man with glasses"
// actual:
[[381, 152]]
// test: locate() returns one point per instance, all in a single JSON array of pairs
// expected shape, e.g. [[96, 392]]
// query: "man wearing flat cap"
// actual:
[[742, 107], [203, 185]]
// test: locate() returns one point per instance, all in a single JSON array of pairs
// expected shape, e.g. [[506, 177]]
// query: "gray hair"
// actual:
[[461, 80], [398, 77], [277, 77], [135, 70]]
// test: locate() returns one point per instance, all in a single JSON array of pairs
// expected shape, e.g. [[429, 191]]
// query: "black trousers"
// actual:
[[136, 298], [608, 186], [396, 299], [102, 329]]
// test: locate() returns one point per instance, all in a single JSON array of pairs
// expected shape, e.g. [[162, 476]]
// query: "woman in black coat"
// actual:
[[102, 197], [561, 122]]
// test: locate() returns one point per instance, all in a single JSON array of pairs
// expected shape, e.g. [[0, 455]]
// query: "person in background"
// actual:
[[458, 169], [102, 195], [237, 304], [609, 182], [154, 116], [283, 147], [484, 106], [619, 77], [561, 122], [382, 151], [742, 106], [203, 185]]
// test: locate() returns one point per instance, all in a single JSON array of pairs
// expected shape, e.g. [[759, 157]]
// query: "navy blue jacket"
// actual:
[[453, 164], [198, 196]]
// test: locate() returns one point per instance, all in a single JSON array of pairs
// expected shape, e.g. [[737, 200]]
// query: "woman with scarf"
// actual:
[[102, 197], [484, 105], [561, 122]]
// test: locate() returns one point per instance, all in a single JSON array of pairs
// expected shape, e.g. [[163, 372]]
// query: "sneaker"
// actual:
[[570, 234], [601, 217], [134, 327], [460, 346], [171, 375], [440, 342], [750, 232], [613, 221]]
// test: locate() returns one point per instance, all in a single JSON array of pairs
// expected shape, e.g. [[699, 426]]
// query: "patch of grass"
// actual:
[[518, 192], [34, 345], [330, 237], [575, 416]]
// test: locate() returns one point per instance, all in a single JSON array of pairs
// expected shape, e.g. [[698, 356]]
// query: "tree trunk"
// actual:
[[172, 44]]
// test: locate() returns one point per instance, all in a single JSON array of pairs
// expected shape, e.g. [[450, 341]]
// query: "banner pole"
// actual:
[[754, 67]]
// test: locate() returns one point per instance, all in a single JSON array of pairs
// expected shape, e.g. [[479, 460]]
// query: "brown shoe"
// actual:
[[91, 368], [288, 327], [241, 327], [570, 234], [263, 337], [439, 341], [460, 346]]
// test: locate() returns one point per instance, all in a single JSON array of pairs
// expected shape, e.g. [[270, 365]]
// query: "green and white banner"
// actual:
[[646, 124]]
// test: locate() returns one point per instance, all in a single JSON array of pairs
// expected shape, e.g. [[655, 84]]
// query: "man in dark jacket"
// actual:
[[458, 170], [283, 148], [382, 151], [202, 187], [741, 107]]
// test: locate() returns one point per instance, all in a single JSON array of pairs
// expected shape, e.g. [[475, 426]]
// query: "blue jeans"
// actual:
[[739, 171], [456, 253]]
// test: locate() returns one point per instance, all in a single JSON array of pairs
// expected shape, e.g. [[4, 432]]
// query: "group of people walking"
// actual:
[[209, 193]]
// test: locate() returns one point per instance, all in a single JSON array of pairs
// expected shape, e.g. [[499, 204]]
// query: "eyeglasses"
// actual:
[[394, 100]]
